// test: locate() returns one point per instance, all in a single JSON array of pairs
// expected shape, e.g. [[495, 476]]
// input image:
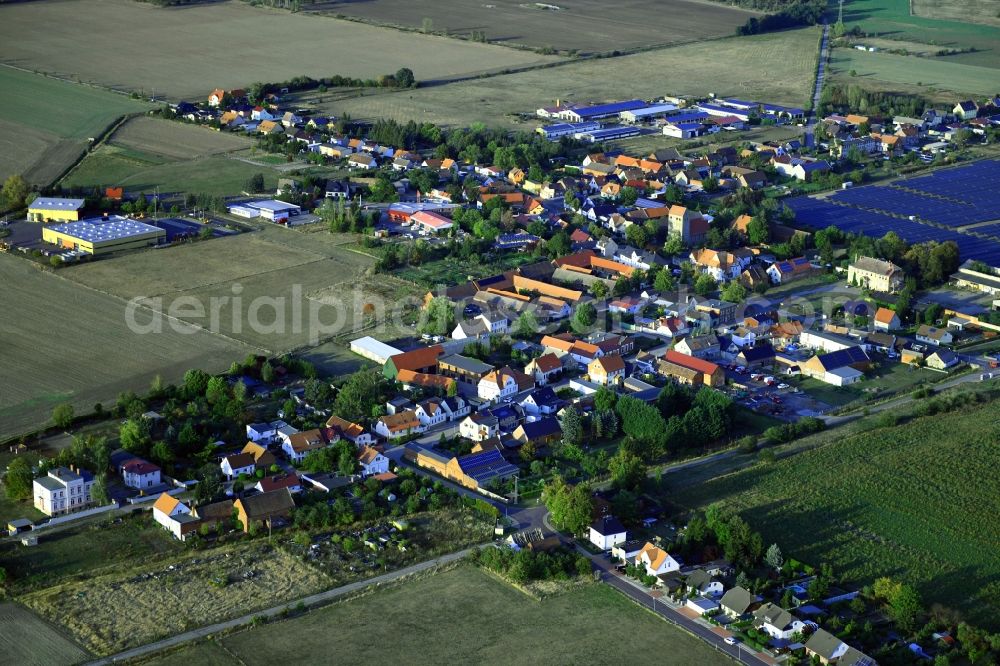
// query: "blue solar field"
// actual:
[[941, 203]]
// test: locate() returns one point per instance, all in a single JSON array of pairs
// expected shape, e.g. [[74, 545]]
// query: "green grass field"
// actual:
[[919, 502], [892, 19], [943, 73], [69, 110], [141, 171], [467, 616], [45, 122]]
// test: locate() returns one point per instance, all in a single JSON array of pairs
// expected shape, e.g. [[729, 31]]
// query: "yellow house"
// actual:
[[607, 370], [101, 236], [54, 209]]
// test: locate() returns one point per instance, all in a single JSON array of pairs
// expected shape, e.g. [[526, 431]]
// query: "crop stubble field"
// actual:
[[62, 342], [45, 123], [29, 641], [583, 25], [919, 502], [777, 67], [475, 618], [186, 52], [971, 11]]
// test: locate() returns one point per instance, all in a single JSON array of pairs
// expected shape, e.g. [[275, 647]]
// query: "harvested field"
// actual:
[[166, 599], [777, 67], [582, 25], [938, 73], [281, 285], [176, 140], [30, 641], [45, 123], [986, 12], [187, 52], [63, 342], [476, 619]]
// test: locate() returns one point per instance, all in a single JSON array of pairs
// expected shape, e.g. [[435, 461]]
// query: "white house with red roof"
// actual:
[[138, 473], [372, 461]]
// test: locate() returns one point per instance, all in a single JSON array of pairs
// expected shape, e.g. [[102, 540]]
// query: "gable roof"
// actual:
[[692, 362], [884, 315], [547, 363], [166, 503], [610, 363], [278, 481], [415, 359], [266, 504], [238, 460], [738, 600]]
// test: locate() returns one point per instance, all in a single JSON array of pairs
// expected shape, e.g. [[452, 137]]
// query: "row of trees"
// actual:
[[788, 15]]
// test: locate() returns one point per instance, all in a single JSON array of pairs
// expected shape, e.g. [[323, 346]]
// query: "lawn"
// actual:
[[30, 641], [919, 502], [86, 550], [63, 342], [777, 67], [433, 274], [177, 140], [583, 25], [467, 616], [184, 53], [45, 123], [939, 73], [890, 379], [892, 19]]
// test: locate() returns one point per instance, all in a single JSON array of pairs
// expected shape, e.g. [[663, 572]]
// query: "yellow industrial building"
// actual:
[[54, 209], [101, 236]]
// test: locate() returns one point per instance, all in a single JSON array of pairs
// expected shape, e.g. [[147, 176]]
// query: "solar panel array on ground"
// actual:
[[901, 202], [987, 230], [819, 214]]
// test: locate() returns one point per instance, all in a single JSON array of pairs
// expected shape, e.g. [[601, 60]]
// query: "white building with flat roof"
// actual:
[[373, 350]]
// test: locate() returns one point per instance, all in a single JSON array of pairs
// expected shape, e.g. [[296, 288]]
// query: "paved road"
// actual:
[[311, 600]]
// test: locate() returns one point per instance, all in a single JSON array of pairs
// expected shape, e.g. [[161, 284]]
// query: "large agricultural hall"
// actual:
[[100, 236]]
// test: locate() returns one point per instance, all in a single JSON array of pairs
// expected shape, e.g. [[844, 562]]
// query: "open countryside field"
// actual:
[[168, 598], [892, 19], [467, 616], [63, 343], [888, 69], [971, 11], [145, 153], [186, 52], [140, 171], [919, 502], [583, 25], [777, 67], [175, 139], [45, 123], [282, 278], [30, 641]]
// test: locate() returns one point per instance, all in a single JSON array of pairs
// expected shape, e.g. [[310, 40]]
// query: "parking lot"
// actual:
[[771, 393]]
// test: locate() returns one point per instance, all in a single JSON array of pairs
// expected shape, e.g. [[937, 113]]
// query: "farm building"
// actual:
[[647, 112], [100, 236], [607, 134], [54, 209], [553, 132], [691, 370], [582, 113], [373, 349]]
